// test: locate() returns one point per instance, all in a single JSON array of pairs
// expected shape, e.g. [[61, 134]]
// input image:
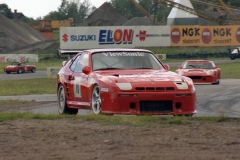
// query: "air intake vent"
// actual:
[[154, 88], [156, 106]]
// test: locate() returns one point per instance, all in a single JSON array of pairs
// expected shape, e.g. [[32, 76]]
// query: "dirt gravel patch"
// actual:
[[76, 138]]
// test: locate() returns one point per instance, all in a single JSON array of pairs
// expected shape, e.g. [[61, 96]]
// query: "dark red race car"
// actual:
[[19, 67], [123, 81], [200, 71]]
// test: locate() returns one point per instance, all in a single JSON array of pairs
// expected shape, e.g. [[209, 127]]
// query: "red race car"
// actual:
[[19, 67], [123, 81], [200, 71]]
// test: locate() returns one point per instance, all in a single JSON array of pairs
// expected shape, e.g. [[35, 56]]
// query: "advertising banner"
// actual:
[[18, 58], [114, 37], [52, 72], [205, 35], [161, 56]]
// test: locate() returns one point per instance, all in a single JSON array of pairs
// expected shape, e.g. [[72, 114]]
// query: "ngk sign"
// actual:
[[205, 35]]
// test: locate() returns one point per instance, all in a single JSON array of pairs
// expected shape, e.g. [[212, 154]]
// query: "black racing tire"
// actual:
[[184, 115], [19, 71], [8, 72], [33, 70], [232, 57], [96, 100], [62, 104], [216, 83]]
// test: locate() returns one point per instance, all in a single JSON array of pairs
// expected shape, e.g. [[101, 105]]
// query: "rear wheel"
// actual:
[[62, 104], [232, 57], [33, 70], [96, 100], [19, 71]]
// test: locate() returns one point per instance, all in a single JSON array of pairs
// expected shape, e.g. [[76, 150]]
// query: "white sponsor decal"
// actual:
[[104, 89], [123, 54], [77, 87]]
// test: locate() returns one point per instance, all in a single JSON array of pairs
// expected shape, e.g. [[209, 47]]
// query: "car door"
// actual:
[[79, 80]]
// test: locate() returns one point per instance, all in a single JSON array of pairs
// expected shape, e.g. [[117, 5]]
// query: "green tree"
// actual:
[[72, 9], [5, 10], [84, 10], [126, 8], [233, 2], [52, 15]]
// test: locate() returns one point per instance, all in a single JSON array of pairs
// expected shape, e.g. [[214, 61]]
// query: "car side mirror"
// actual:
[[86, 70], [167, 67]]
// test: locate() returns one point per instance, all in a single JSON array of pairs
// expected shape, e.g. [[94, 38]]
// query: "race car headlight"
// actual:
[[124, 86], [210, 72], [181, 85], [190, 83]]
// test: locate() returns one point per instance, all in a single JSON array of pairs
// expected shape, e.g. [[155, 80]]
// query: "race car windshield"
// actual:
[[125, 60], [197, 65]]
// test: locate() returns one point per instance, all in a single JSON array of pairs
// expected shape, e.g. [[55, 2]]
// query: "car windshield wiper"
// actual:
[[107, 69], [192, 66]]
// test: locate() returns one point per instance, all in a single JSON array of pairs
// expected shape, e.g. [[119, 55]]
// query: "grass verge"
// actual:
[[144, 120], [28, 86]]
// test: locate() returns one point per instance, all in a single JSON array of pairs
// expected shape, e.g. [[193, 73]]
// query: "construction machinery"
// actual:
[[143, 10], [49, 28], [211, 7], [200, 13], [222, 9], [234, 18]]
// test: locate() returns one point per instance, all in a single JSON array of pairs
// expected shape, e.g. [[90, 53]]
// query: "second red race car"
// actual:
[[200, 71], [19, 67], [123, 81]]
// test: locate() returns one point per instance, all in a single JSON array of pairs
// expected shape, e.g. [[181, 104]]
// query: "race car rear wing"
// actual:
[[68, 53]]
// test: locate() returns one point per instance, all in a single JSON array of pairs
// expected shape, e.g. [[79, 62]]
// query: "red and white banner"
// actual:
[[114, 37], [18, 58]]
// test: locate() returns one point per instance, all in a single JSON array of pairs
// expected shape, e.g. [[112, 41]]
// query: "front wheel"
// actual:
[[62, 104], [19, 71], [218, 82], [8, 72], [96, 100]]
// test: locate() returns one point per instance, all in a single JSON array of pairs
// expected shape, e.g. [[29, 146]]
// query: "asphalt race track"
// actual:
[[212, 100], [12, 76]]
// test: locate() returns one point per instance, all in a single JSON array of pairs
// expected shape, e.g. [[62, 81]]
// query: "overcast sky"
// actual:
[[40, 8]]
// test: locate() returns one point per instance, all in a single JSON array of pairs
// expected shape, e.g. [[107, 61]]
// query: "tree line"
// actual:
[[79, 10]]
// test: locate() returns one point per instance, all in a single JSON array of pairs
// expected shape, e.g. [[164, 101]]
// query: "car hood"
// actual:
[[10, 67], [142, 76]]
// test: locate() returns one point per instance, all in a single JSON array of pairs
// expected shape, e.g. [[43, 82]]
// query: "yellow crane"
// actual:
[[220, 7], [197, 12], [211, 6], [234, 18], [143, 10]]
